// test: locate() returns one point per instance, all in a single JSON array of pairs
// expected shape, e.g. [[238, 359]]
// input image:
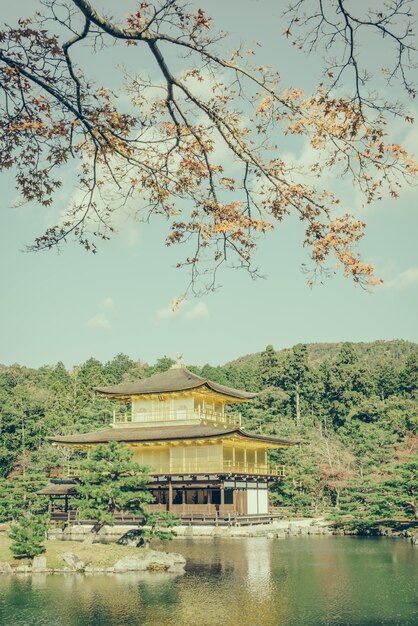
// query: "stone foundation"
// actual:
[[280, 528]]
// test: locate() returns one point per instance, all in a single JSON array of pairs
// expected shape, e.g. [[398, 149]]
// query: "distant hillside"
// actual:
[[396, 350]]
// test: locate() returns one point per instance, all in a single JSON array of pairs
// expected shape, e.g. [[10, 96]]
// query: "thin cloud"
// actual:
[[198, 312], [163, 315], [99, 322], [108, 304], [403, 280], [183, 312]]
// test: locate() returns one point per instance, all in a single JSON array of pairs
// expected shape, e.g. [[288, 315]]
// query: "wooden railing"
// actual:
[[222, 517], [168, 415], [201, 467]]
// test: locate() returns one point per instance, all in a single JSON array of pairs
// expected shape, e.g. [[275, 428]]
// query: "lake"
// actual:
[[295, 581]]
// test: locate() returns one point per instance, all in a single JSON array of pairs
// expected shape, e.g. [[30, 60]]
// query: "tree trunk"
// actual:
[[93, 533], [297, 404]]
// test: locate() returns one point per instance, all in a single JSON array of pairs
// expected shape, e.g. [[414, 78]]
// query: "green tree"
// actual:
[[162, 365], [295, 377], [386, 380], [111, 482], [409, 376], [345, 383], [400, 489], [115, 370], [157, 525], [269, 367], [19, 495], [28, 536]]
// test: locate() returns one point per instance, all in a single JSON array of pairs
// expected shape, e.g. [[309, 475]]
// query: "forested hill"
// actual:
[[246, 371], [396, 350], [354, 407]]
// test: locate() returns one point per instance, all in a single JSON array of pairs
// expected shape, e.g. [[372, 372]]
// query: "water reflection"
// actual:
[[234, 582]]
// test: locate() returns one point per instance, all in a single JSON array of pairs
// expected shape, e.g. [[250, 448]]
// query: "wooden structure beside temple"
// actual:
[[200, 459]]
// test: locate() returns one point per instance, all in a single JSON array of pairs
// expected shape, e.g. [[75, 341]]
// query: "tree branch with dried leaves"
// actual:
[[197, 146]]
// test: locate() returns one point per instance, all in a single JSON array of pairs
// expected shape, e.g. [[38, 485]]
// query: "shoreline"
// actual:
[[272, 530], [67, 554]]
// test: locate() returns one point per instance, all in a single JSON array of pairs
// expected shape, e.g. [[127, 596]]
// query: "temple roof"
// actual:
[[59, 488], [166, 433], [175, 379]]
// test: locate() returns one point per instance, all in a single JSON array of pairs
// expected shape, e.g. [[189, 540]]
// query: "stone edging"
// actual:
[[144, 561]]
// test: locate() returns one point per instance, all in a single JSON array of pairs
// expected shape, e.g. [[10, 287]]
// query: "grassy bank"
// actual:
[[97, 554]]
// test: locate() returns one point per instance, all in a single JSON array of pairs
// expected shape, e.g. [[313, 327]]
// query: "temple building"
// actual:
[[199, 458]]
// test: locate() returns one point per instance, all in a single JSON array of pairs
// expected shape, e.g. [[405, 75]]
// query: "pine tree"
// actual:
[[295, 376], [157, 525], [269, 367], [345, 384], [115, 370], [110, 482], [409, 376], [28, 536]]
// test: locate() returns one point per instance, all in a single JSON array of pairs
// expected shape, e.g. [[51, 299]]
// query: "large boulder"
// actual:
[[74, 562], [294, 529], [5, 568], [39, 564], [151, 560]]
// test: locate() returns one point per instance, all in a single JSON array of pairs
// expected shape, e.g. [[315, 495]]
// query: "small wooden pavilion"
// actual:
[[200, 459]]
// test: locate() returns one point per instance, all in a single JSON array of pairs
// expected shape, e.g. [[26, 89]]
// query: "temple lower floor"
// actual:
[[208, 494], [188, 495]]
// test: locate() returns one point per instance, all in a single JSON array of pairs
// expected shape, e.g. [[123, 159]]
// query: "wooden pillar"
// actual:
[[222, 497], [170, 495], [183, 499]]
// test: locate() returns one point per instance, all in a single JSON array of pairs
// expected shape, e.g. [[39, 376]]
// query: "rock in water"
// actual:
[[74, 561], [151, 560]]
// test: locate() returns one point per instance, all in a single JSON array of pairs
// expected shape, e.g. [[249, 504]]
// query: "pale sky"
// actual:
[[74, 305]]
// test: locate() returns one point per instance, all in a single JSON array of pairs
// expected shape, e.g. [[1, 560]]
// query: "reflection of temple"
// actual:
[[200, 459]]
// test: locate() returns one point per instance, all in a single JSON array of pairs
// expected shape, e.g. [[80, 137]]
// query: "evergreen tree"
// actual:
[[345, 383], [18, 495], [269, 367], [110, 482], [115, 370], [295, 377], [401, 489], [157, 525], [409, 376], [162, 365], [386, 380], [28, 536]]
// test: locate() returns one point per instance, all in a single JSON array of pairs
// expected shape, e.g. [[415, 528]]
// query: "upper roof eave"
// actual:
[[168, 433], [176, 379]]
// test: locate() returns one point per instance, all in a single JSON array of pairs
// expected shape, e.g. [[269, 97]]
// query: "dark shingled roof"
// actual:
[[174, 379], [58, 488], [165, 433]]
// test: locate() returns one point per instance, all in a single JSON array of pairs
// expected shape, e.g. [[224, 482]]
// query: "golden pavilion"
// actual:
[[200, 459]]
